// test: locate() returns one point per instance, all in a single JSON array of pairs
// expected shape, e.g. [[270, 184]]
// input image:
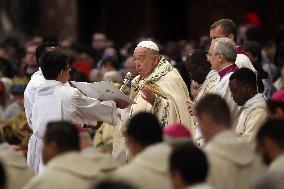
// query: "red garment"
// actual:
[[176, 130], [240, 50], [84, 66], [228, 69], [253, 18], [2, 88], [278, 96]]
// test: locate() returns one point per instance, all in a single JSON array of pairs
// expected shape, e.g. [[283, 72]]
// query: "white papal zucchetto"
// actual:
[[149, 45]]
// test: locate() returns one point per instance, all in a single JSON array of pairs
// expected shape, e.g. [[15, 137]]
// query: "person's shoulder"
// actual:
[[35, 82], [277, 164], [242, 61], [104, 161], [242, 58], [126, 172], [68, 90], [172, 75], [40, 181]]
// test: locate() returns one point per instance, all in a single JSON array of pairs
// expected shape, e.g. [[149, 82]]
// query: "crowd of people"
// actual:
[[207, 113]]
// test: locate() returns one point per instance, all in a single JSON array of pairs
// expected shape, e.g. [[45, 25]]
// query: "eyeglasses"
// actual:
[[209, 55]]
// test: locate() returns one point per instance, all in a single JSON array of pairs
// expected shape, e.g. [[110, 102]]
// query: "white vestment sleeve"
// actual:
[[88, 110], [28, 103]]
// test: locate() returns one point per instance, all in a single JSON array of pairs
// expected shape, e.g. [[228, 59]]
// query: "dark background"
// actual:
[[123, 20]]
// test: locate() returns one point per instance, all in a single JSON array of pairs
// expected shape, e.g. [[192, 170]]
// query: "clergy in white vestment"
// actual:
[[271, 144], [148, 166], [275, 105], [158, 89], [66, 168], [56, 101], [37, 80], [222, 56], [200, 71], [148, 169], [234, 163], [244, 88]]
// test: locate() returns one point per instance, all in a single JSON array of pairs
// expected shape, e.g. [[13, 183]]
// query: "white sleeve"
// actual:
[[29, 99], [87, 110]]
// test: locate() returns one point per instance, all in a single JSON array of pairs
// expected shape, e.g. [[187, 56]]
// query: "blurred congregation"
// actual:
[[208, 112]]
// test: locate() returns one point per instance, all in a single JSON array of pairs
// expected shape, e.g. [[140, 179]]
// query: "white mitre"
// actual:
[[149, 45]]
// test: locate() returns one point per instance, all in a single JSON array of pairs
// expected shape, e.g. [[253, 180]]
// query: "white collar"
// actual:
[[256, 98]]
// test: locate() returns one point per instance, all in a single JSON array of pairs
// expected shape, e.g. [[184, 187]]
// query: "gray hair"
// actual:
[[227, 47], [114, 75]]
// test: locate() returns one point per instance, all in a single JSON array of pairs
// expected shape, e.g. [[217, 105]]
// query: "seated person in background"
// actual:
[[275, 105], [188, 167], [253, 51], [65, 166], [103, 139], [12, 154], [17, 90], [244, 89], [279, 83], [20, 127], [129, 66], [113, 76], [106, 65], [5, 94]]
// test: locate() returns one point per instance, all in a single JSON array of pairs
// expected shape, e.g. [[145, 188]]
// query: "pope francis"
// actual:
[[158, 89]]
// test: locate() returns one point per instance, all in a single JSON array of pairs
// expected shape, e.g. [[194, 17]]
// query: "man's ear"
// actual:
[[247, 87], [268, 142], [220, 57], [205, 118], [177, 178], [270, 146], [279, 113], [53, 146]]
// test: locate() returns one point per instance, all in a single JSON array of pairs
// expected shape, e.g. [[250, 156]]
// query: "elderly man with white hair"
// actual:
[[158, 88], [222, 56]]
